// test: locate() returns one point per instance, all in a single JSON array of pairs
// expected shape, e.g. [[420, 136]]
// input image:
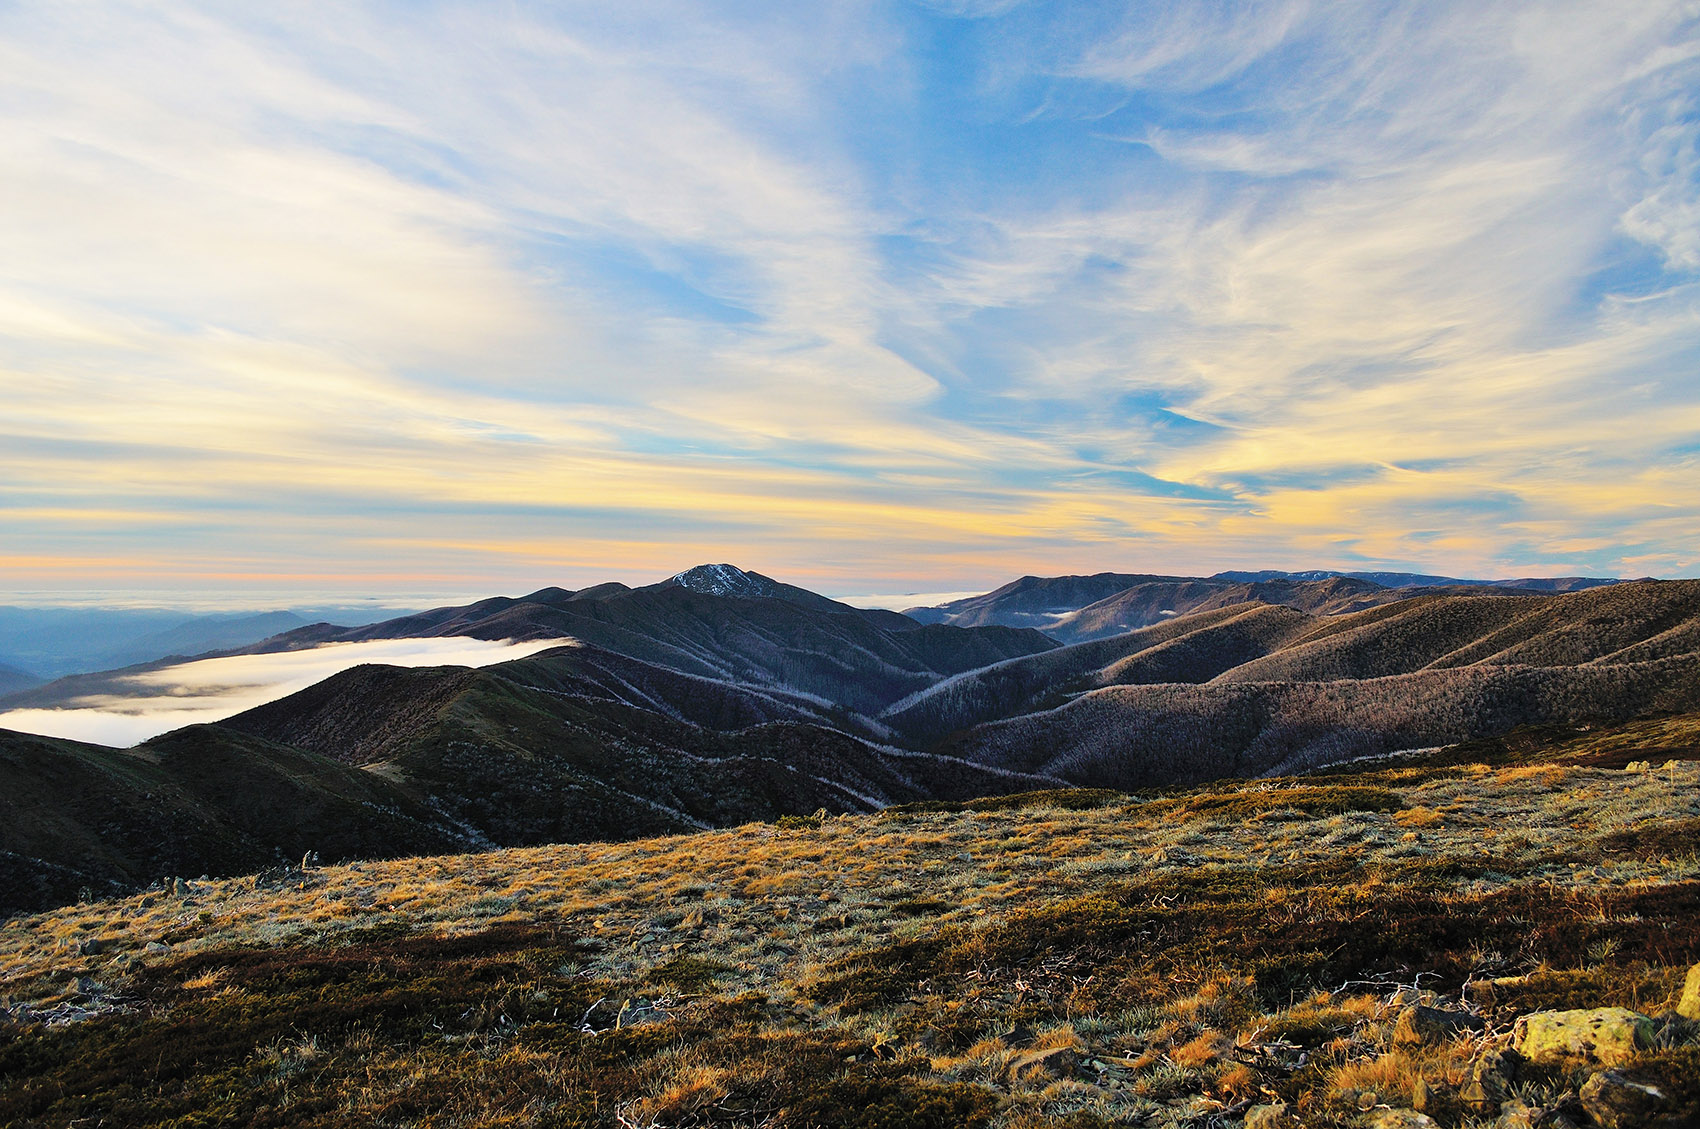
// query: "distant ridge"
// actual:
[[1421, 580], [12, 679], [1073, 609]]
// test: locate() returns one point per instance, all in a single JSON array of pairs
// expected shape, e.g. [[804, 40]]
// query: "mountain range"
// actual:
[[37, 644], [720, 696]]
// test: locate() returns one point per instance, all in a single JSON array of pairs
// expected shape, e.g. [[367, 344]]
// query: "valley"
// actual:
[[721, 696]]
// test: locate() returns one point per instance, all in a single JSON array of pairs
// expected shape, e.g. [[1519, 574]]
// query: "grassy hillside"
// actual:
[[862, 660], [1256, 687], [75, 816], [1194, 648], [1146, 736], [1077, 609], [1072, 959], [581, 744], [573, 745]]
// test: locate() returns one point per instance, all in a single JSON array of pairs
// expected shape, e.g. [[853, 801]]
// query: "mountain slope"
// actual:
[[579, 743], [1057, 961], [1147, 736], [779, 637], [13, 680], [1224, 694], [1194, 648], [573, 745], [196, 801], [1423, 580], [1075, 609], [721, 696]]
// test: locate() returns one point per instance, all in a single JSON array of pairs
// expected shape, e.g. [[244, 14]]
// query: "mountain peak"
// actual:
[[725, 580]]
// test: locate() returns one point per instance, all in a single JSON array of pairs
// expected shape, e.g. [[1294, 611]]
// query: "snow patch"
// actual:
[[724, 580]]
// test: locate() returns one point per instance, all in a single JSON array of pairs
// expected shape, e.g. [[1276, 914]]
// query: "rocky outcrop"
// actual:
[[1491, 1079], [1608, 1036], [1689, 1006], [1617, 1101], [1418, 1025]]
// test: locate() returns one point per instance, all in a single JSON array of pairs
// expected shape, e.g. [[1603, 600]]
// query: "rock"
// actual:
[[1019, 1036], [1670, 1029], [1491, 1078], [90, 947], [1419, 1024], [1273, 1116], [1608, 1036], [1689, 1006], [1617, 1101], [1638, 766], [1039, 1066], [156, 948], [1402, 1119], [1515, 1115]]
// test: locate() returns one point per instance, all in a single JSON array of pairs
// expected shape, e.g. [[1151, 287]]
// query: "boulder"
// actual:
[[1515, 1115], [1272, 1116], [1608, 1036], [1431, 1025], [1491, 1079], [1043, 1064], [1619, 1102], [1689, 1006], [1402, 1119]]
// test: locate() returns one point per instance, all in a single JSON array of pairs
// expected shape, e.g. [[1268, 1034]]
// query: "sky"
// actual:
[[361, 298], [130, 708]]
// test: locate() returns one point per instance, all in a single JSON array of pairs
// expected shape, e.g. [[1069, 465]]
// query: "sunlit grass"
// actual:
[[1181, 953]]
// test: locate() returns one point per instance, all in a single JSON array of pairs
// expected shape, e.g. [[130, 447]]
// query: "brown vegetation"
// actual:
[[1070, 959]]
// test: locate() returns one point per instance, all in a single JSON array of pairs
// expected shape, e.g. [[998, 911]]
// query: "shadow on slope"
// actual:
[[199, 800]]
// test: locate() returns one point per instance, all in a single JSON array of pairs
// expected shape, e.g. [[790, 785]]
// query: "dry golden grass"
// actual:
[[783, 915]]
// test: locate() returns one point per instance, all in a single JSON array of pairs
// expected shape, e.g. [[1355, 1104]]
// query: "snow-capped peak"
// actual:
[[724, 580]]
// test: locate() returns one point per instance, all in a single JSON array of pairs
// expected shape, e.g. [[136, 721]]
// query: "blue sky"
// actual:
[[366, 298]]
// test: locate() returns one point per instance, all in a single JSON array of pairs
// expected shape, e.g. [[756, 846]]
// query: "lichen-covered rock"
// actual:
[[1689, 1006], [1272, 1116], [1608, 1036], [1401, 1119], [1619, 1102], [1419, 1024], [1516, 1115]]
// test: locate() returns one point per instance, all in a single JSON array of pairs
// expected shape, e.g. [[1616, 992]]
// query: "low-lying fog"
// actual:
[[134, 707]]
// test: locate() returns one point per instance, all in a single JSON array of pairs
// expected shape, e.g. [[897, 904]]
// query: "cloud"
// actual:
[[139, 706], [854, 291]]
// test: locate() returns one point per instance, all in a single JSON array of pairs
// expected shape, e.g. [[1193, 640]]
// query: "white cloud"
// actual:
[[332, 271], [140, 706]]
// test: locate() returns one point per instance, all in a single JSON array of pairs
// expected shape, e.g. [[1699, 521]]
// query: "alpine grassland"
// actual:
[[1367, 947]]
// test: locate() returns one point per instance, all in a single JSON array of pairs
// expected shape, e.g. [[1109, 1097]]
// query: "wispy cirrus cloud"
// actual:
[[908, 293]]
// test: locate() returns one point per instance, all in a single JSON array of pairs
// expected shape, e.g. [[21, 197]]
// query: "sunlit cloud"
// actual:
[[871, 295], [134, 707]]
